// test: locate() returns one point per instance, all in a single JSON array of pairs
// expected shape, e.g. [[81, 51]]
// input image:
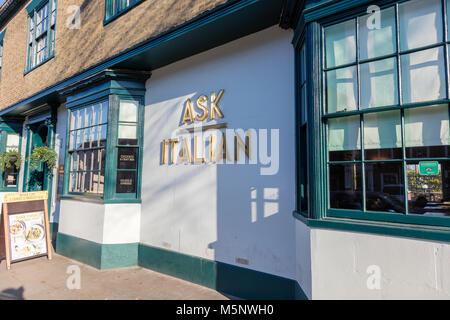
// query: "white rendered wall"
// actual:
[[410, 268], [228, 213], [83, 220], [60, 148], [303, 257]]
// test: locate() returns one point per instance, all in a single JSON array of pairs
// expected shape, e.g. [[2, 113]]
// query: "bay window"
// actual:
[[87, 148], [386, 115], [10, 141], [104, 137], [113, 8], [41, 33]]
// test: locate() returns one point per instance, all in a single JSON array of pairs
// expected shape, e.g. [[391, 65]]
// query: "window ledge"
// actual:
[[40, 64], [390, 229], [97, 200], [114, 17]]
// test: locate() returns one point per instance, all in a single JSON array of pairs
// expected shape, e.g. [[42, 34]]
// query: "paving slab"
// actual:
[[43, 279]]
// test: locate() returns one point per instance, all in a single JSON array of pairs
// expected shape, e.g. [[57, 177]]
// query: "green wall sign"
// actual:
[[428, 168]]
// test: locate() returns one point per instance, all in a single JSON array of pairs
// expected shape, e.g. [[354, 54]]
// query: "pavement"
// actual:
[[43, 279]]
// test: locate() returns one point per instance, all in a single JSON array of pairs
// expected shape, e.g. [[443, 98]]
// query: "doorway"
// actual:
[[36, 179]]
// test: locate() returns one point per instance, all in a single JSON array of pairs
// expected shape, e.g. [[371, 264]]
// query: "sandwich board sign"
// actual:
[[428, 168], [25, 226]]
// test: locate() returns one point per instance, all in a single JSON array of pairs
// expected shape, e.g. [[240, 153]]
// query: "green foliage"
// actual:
[[416, 181], [43, 155], [7, 159]]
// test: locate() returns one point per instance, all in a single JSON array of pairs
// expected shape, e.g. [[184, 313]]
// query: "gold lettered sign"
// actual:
[[25, 226], [25, 196]]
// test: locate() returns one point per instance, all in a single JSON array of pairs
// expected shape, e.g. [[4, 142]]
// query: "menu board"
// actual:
[[25, 226], [27, 235]]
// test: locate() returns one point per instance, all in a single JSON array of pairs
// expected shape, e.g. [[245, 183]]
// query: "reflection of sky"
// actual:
[[1, 2]]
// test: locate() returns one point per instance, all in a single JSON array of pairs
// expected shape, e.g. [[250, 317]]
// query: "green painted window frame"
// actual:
[[1, 59], [50, 34], [382, 217], [112, 11], [70, 151], [109, 195], [7, 128]]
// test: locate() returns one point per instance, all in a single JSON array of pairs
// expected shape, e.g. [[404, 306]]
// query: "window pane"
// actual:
[[79, 139], [340, 42], [303, 169], [379, 83], [341, 90], [384, 187], [72, 140], [80, 118], [89, 159], [87, 138], [10, 176], [88, 117], [383, 135], [103, 132], [427, 132], [72, 182], [423, 76], [94, 135], [420, 23], [87, 182], [128, 111], [74, 162], [429, 195], [345, 187], [304, 105], [126, 182], [127, 158], [73, 120], [377, 42], [96, 114], [128, 135], [344, 139]]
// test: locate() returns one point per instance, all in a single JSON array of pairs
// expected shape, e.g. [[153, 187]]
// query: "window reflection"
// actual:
[[423, 75], [382, 135], [342, 90], [344, 139], [429, 194]]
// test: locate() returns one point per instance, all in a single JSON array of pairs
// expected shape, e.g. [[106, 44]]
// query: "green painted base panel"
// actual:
[[106, 256], [239, 282], [236, 281]]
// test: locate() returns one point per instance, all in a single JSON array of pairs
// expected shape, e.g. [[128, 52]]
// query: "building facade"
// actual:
[[263, 148]]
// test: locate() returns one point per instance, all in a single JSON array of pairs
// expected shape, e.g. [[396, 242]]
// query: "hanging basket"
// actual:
[[9, 159], [44, 155]]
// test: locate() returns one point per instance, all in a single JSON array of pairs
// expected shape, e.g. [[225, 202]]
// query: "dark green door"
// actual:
[[37, 176]]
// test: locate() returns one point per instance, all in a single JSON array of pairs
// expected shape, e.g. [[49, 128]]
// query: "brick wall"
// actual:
[[77, 50]]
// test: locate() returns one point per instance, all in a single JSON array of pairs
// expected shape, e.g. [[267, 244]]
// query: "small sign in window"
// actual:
[[428, 168]]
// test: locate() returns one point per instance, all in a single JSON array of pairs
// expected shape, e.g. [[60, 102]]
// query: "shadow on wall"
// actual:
[[12, 294]]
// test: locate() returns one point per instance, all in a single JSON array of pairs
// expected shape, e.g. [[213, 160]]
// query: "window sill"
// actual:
[[10, 189], [114, 17], [40, 64], [97, 200], [383, 228]]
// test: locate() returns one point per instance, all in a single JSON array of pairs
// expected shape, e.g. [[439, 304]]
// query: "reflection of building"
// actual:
[[345, 107]]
